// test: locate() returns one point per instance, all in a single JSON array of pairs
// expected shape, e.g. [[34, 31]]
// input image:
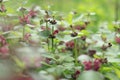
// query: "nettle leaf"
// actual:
[[45, 33], [19, 63], [69, 59], [68, 66], [41, 21], [48, 56], [113, 60], [14, 35], [111, 76], [85, 32], [90, 75], [65, 58], [67, 38], [70, 18], [56, 70], [117, 71], [106, 69], [67, 73]]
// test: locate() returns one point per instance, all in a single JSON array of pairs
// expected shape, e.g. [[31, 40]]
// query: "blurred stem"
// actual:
[[52, 40], [52, 45], [75, 52], [88, 17], [103, 55], [116, 10], [46, 64], [119, 46], [48, 44], [23, 32], [23, 26], [47, 38], [47, 25]]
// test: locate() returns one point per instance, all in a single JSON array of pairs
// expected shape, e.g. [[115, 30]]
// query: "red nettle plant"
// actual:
[[47, 45]]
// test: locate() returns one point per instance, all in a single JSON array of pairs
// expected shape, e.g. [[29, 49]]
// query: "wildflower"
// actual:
[[55, 32], [27, 36], [2, 41], [70, 45], [2, 8], [25, 19], [80, 27], [91, 52], [76, 74], [117, 39], [32, 13], [4, 50], [83, 38], [74, 34], [87, 65], [97, 64]]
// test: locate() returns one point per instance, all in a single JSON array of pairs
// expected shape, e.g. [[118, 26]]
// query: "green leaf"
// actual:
[[69, 18], [67, 38], [18, 62], [111, 76], [90, 75], [67, 73], [117, 71], [45, 33]]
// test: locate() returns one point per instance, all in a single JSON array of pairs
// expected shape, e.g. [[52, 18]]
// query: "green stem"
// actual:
[[52, 40], [75, 52], [116, 10], [103, 55], [48, 44], [119, 47], [23, 32], [52, 45], [46, 25], [47, 38]]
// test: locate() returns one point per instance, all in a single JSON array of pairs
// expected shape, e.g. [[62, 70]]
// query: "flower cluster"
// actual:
[[76, 74], [2, 8], [117, 39], [95, 65], [26, 18], [70, 45], [3, 46]]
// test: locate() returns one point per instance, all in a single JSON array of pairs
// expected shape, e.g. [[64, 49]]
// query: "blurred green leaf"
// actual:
[[91, 75]]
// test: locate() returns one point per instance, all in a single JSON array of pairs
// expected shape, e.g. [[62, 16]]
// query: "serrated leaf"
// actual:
[[67, 38], [117, 71], [92, 75], [45, 33], [111, 76], [18, 62], [69, 18]]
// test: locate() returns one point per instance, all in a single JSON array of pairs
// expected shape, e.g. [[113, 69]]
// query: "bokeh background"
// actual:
[[105, 9]]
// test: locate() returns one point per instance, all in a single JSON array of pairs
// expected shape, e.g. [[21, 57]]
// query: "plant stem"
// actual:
[[119, 47], [48, 44], [52, 45], [23, 32], [46, 25], [52, 40], [47, 38], [103, 55], [116, 10], [75, 52]]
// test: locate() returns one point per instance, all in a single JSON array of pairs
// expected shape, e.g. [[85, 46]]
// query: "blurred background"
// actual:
[[105, 9]]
